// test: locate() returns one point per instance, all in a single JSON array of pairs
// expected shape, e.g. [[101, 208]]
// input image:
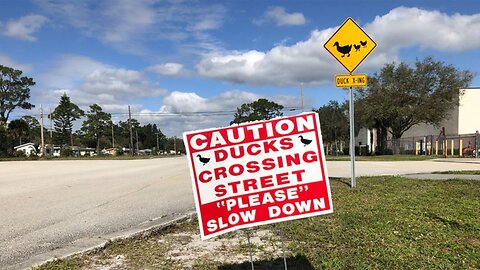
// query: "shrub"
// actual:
[[66, 152], [19, 154]]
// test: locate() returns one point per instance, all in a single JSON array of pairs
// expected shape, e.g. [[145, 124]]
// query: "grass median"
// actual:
[[385, 223]]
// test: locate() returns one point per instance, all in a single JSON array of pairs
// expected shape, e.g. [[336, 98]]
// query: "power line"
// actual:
[[201, 113]]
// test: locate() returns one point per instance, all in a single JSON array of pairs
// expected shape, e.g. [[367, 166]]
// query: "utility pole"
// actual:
[[113, 137], [51, 126], [130, 127], [136, 133], [41, 131], [175, 144], [158, 149]]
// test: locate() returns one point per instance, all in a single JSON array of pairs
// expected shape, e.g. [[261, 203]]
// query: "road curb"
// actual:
[[458, 160], [136, 234], [439, 176]]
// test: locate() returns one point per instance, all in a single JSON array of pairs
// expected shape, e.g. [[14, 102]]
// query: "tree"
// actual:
[[33, 128], [125, 132], [402, 96], [334, 122], [148, 136], [174, 144], [4, 141], [97, 124], [262, 109], [14, 92], [63, 117], [19, 130]]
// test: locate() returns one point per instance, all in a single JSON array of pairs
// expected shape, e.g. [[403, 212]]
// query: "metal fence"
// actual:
[[467, 145]]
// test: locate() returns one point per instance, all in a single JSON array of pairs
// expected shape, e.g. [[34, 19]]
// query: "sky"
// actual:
[[187, 65]]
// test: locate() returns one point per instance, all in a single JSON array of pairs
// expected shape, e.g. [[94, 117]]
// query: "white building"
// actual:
[[462, 120], [50, 151], [27, 148]]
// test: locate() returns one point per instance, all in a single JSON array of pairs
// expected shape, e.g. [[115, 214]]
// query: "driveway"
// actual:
[[53, 208], [371, 168]]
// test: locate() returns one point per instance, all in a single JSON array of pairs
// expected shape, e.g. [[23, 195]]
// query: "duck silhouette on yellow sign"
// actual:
[[350, 45]]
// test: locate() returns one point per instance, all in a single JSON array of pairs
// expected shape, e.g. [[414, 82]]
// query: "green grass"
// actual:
[[471, 172], [77, 262], [385, 223], [390, 223], [380, 158]]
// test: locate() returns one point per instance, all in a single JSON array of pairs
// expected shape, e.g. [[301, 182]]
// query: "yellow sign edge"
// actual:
[[374, 43]]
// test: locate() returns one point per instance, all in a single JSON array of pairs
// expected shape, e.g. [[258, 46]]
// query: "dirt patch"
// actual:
[[181, 247], [115, 263], [186, 248]]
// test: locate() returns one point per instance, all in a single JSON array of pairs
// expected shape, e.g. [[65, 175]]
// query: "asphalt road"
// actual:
[[53, 208]]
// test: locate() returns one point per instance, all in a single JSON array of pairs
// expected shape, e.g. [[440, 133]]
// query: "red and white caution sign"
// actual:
[[258, 173]]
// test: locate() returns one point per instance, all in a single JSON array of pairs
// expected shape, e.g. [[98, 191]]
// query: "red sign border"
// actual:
[[196, 192]]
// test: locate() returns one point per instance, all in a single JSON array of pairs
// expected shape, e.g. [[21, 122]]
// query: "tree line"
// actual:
[[97, 129], [398, 97]]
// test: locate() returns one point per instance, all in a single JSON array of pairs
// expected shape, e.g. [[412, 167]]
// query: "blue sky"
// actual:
[[173, 61]]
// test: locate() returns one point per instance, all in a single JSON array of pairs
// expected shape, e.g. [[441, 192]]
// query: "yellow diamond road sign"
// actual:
[[350, 45]]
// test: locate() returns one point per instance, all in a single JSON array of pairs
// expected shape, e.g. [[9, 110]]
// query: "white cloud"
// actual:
[[408, 27], [185, 111], [281, 17], [24, 27], [68, 71], [167, 69], [127, 25], [180, 102], [121, 84], [307, 61], [88, 81], [212, 18], [9, 62], [128, 18]]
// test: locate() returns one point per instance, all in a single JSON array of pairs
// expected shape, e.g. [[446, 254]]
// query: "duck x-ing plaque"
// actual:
[[258, 173], [350, 45]]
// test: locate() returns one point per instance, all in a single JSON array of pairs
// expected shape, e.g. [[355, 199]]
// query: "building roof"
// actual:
[[24, 145]]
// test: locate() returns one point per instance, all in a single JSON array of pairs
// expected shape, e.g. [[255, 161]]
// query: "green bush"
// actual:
[[66, 152], [19, 154], [33, 157], [384, 152]]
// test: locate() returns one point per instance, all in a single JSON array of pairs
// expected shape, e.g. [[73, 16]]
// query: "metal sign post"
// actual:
[[283, 249], [350, 45], [250, 249], [352, 137]]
